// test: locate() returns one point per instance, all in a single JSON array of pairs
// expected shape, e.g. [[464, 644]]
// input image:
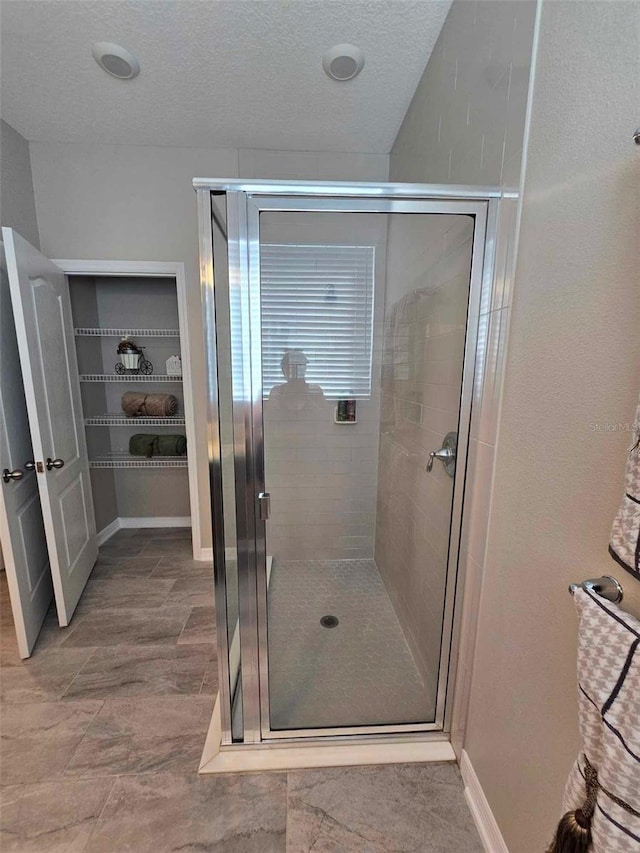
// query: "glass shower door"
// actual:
[[361, 313]]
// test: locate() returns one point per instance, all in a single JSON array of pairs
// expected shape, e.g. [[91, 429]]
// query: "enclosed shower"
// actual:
[[341, 324]]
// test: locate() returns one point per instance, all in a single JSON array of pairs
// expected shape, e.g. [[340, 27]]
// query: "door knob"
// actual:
[[30, 465], [8, 475], [54, 463], [446, 454]]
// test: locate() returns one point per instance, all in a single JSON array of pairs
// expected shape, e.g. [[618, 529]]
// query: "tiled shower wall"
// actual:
[[428, 265], [466, 120], [322, 479], [466, 125], [323, 476]]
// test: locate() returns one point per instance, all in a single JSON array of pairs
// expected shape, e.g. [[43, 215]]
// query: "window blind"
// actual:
[[319, 299]]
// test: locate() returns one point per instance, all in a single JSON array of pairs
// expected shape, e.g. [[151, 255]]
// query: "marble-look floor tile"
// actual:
[[183, 568], [52, 635], [50, 817], [130, 627], [129, 567], [9, 654], [166, 547], [39, 739], [200, 627], [44, 677], [122, 547], [192, 592], [141, 671], [124, 592], [172, 812], [210, 680], [6, 613], [143, 735], [415, 807], [161, 533]]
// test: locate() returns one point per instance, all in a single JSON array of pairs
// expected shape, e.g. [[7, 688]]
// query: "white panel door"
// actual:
[[42, 315], [24, 546]]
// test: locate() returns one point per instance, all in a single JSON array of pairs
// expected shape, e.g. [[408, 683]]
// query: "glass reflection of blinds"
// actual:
[[319, 299]]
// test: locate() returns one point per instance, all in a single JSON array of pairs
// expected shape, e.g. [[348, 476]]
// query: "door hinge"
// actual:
[[264, 506]]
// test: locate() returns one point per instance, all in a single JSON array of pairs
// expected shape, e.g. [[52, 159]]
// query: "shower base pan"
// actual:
[[249, 758]]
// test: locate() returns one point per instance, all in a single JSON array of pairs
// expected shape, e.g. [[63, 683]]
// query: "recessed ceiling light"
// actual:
[[343, 62], [116, 60]]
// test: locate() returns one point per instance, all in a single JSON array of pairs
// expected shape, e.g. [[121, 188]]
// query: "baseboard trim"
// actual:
[[108, 531], [139, 523], [156, 521], [230, 554], [484, 820]]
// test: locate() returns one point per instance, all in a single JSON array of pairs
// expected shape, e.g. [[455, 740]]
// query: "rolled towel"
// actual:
[[136, 404], [144, 444], [170, 445], [141, 444]]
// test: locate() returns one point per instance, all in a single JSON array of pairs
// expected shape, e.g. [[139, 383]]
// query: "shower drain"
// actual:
[[329, 621]]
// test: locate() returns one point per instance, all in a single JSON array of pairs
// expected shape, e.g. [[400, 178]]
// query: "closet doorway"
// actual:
[[104, 356], [132, 349]]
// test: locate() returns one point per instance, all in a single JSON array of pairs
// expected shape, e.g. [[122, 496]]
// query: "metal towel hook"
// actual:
[[606, 587]]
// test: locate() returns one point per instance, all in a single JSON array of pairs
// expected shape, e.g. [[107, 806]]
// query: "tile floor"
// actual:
[[102, 729], [361, 672]]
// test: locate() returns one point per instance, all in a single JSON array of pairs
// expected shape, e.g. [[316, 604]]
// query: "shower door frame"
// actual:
[[245, 202]]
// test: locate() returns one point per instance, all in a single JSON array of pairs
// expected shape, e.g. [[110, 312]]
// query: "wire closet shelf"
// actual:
[[118, 459], [116, 419], [128, 377], [122, 333]]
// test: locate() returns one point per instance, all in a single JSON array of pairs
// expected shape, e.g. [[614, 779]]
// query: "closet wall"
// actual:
[[118, 303]]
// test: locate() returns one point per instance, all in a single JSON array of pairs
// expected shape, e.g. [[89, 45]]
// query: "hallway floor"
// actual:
[[102, 730]]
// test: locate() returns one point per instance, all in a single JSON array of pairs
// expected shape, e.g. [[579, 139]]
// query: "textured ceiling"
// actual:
[[215, 73]]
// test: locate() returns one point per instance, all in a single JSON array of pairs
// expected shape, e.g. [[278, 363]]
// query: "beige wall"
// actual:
[[574, 364], [428, 266], [466, 120], [17, 204], [136, 203]]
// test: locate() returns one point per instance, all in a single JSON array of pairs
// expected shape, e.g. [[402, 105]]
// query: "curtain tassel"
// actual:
[[573, 834]]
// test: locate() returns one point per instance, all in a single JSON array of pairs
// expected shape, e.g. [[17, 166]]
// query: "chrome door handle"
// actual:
[[447, 454], [8, 475], [54, 463], [264, 506], [30, 465]]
